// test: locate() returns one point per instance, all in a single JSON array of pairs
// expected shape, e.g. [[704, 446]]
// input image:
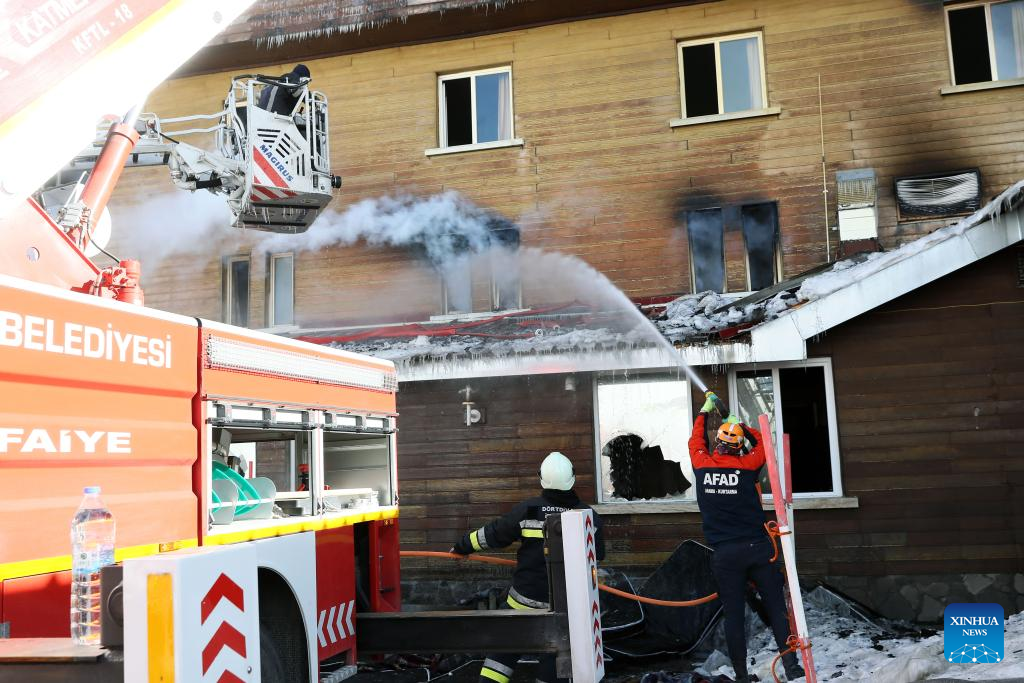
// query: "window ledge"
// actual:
[[987, 85], [820, 503], [731, 116], [437, 151]]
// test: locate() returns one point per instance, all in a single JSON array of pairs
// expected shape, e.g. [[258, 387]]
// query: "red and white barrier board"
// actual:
[[583, 601]]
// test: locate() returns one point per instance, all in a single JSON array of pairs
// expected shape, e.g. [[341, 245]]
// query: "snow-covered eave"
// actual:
[[785, 338], [610, 360]]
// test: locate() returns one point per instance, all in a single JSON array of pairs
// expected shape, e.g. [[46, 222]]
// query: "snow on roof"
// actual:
[[275, 22], [711, 328]]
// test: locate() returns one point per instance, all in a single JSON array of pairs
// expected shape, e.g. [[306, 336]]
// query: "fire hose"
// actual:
[[607, 589], [771, 527]]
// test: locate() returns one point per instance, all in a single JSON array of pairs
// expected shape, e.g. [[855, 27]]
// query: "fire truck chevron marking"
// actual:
[[226, 636], [223, 589], [228, 677], [342, 622]]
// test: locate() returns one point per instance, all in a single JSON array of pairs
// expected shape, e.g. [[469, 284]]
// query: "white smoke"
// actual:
[[171, 224], [446, 226]]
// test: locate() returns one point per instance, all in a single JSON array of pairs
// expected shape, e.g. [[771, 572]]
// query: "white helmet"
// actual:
[[556, 472]]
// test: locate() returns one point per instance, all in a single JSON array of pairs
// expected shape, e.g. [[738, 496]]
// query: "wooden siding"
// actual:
[[602, 175], [930, 403]]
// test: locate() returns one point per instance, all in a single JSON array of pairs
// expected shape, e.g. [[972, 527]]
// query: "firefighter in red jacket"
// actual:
[[733, 523]]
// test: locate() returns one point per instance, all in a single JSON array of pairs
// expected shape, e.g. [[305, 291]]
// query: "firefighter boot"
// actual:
[[792, 667]]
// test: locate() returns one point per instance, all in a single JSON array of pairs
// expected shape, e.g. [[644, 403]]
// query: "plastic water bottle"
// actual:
[[92, 547]]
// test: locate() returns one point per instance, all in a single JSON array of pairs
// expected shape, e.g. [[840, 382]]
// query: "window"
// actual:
[[709, 229], [475, 107], [799, 400], [465, 276], [457, 286], [760, 224], [722, 75], [506, 286], [235, 297], [281, 290], [986, 41], [643, 426]]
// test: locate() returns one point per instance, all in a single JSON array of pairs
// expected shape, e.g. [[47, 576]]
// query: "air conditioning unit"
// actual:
[[857, 193], [940, 195]]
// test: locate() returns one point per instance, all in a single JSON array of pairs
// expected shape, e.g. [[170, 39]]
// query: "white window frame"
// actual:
[[228, 287], [833, 422], [993, 66], [272, 289], [716, 41], [442, 118], [663, 375]]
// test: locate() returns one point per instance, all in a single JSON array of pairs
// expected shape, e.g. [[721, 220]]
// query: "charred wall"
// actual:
[[601, 173]]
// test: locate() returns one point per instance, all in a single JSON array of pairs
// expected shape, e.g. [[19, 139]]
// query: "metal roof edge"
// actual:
[[891, 282]]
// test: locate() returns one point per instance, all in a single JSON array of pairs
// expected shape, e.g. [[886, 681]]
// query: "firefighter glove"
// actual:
[[732, 419], [709, 405]]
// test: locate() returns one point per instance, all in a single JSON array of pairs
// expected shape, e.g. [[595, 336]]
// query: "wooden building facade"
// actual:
[[623, 132]]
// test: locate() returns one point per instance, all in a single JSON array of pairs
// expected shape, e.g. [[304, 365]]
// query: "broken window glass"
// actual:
[[643, 426], [761, 237], [707, 251]]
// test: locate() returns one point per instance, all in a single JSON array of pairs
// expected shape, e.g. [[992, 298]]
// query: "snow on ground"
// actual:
[[847, 647]]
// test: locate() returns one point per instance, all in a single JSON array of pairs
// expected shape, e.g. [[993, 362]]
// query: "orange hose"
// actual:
[[606, 589]]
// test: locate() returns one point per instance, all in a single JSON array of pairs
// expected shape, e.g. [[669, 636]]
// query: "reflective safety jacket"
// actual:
[[730, 504], [525, 523]]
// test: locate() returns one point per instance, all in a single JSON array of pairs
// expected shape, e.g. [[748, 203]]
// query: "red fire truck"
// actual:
[[252, 478]]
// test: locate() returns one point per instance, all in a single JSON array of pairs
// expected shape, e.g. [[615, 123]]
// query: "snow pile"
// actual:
[[706, 313], [844, 274], [849, 647]]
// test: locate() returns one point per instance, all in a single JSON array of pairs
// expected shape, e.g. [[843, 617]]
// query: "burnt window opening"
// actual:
[[643, 426], [798, 398], [639, 471], [235, 294], [722, 75], [941, 195], [492, 262], [705, 232], [761, 239], [457, 285], [986, 41], [506, 282], [476, 107]]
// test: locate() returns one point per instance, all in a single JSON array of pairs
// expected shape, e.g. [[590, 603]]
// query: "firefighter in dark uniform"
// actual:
[[282, 100], [733, 522], [525, 523]]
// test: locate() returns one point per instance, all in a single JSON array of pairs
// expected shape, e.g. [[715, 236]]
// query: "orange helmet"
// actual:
[[730, 434]]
